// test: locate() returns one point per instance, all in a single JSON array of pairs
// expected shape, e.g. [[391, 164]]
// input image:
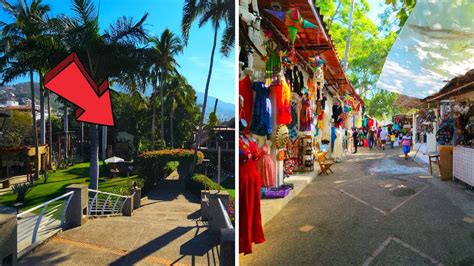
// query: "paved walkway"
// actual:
[[377, 209], [166, 230]]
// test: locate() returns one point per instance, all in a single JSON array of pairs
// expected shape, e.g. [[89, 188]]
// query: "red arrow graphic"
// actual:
[[70, 80]]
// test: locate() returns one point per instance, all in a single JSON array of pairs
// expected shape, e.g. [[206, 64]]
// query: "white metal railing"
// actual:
[[225, 215], [41, 222], [104, 203]]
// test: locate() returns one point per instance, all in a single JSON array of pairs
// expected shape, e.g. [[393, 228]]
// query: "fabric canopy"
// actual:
[[435, 45]]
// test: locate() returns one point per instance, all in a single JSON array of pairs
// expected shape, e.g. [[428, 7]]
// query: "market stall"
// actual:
[[295, 101], [455, 131]]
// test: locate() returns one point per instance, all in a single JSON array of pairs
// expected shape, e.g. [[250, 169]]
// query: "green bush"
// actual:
[[154, 165], [21, 190], [125, 189], [200, 182]]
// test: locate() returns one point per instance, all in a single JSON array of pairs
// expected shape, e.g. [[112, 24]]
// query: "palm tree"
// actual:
[[23, 45], [178, 93], [111, 54], [166, 48], [217, 12]]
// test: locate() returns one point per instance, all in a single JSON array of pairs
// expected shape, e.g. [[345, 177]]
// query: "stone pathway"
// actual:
[[377, 209], [165, 230]]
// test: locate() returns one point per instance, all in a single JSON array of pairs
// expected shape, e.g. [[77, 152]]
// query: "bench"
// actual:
[[6, 182], [324, 163]]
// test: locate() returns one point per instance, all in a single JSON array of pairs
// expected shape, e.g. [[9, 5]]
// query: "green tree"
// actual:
[[17, 130], [179, 93], [370, 45], [218, 13], [166, 48], [213, 120], [108, 54], [23, 44]]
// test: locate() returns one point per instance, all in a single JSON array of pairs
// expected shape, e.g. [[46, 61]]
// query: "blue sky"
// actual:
[[167, 14]]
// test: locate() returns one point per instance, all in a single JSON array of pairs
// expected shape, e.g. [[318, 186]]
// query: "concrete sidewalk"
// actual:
[[166, 230], [376, 209]]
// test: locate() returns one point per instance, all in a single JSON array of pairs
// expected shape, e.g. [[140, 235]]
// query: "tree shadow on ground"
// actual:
[[49, 258], [197, 246], [168, 190]]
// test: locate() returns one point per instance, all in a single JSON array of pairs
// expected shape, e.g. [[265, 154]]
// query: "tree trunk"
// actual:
[[35, 128], [66, 131], [345, 62], [171, 127], [153, 118], [42, 139], [203, 112], [104, 143], [50, 130], [94, 160], [162, 112]]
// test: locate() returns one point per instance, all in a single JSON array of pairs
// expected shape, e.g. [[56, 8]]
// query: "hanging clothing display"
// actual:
[[283, 103], [336, 114], [370, 122], [245, 111], [250, 219], [262, 110], [305, 115], [266, 168], [293, 126]]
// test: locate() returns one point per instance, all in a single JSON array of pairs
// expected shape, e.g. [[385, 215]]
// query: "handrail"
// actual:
[[225, 214], [43, 204], [107, 193]]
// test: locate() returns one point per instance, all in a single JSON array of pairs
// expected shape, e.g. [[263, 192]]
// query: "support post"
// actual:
[[77, 209], [128, 207], [8, 236], [137, 196]]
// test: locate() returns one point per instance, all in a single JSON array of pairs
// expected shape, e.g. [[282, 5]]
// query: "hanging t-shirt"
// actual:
[[283, 103], [370, 122]]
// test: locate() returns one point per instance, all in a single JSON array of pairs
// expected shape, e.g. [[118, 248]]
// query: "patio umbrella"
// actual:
[[114, 160]]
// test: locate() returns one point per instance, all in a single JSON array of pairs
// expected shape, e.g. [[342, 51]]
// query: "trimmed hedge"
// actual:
[[155, 165], [200, 182]]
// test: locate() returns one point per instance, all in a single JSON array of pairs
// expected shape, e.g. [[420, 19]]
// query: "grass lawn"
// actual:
[[229, 185], [57, 183]]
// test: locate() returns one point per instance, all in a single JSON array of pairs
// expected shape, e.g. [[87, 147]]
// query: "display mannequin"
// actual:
[[250, 219], [337, 153], [266, 165]]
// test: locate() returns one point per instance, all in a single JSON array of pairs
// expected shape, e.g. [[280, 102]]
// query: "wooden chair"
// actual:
[[324, 164], [432, 156]]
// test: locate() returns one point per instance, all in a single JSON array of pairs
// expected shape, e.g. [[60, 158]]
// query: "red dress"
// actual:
[[245, 90], [250, 219], [283, 103]]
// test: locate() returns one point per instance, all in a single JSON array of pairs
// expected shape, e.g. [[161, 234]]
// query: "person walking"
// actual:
[[383, 138], [371, 138], [378, 139], [406, 144], [355, 139]]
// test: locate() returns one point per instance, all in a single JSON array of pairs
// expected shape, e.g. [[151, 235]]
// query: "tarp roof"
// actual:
[[311, 42], [435, 45]]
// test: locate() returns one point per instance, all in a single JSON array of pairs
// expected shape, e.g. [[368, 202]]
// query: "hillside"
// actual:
[[225, 111]]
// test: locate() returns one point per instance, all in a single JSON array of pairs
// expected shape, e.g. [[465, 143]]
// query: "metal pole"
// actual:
[[219, 165]]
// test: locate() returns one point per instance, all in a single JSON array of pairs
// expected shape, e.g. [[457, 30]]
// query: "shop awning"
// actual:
[[436, 44], [459, 85], [310, 42]]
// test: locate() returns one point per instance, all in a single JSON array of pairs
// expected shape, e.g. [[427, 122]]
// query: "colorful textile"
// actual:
[[305, 116], [245, 90], [292, 127], [262, 111], [283, 103], [266, 168], [250, 218]]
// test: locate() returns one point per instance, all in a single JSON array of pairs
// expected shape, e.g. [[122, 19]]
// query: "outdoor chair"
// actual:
[[433, 158], [324, 164]]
